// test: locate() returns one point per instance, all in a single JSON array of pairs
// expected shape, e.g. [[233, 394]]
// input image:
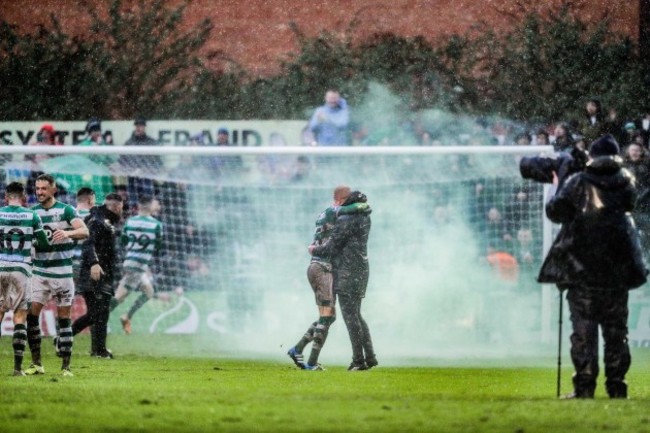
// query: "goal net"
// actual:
[[457, 239]]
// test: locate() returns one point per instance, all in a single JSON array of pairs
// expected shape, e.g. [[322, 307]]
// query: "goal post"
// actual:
[[456, 241]]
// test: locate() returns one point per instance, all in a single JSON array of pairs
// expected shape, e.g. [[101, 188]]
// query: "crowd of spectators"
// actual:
[[504, 223]]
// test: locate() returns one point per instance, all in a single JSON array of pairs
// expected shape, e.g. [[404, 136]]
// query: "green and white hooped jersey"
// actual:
[[55, 260], [19, 228], [142, 236], [76, 255]]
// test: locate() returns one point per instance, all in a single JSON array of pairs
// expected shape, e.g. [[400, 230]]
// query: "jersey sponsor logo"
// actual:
[[16, 216]]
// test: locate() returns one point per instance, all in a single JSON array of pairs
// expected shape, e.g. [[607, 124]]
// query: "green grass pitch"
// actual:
[[145, 390]]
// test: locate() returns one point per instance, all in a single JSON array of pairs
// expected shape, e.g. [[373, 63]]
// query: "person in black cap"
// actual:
[[139, 136], [96, 274], [596, 256], [143, 166], [223, 137], [94, 131], [222, 164]]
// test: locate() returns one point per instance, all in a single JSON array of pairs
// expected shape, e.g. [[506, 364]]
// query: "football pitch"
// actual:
[[145, 390]]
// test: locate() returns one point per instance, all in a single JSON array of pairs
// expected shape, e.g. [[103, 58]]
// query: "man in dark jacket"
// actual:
[[96, 277], [140, 167], [348, 248], [597, 257]]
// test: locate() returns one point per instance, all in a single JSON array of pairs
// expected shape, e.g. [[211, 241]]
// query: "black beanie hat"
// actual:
[[355, 197], [604, 146]]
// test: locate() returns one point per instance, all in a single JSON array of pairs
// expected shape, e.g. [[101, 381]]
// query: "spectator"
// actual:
[[222, 163], [425, 139], [329, 123], [200, 163], [593, 124], [46, 135], [95, 138], [59, 139], [496, 234], [629, 131], [520, 208], [643, 126], [302, 169], [579, 142], [522, 139], [138, 165], [139, 137], [614, 126], [542, 138], [108, 138], [223, 137], [636, 160], [94, 134], [563, 138]]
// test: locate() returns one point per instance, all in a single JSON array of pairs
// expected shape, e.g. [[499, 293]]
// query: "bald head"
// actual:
[[341, 193]]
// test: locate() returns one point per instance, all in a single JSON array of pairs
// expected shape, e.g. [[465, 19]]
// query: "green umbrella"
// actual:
[[76, 171]]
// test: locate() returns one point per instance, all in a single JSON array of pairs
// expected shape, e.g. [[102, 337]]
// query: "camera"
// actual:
[[541, 168]]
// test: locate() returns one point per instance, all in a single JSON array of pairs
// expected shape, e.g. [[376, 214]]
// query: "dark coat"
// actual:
[[148, 163], [100, 249], [348, 247], [598, 245]]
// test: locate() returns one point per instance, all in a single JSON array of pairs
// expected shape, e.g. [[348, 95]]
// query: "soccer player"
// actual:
[[142, 235], [86, 200], [52, 272], [19, 228], [319, 274]]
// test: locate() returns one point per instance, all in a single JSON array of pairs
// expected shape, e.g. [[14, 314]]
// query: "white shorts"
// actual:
[[132, 280], [14, 291], [45, 288]]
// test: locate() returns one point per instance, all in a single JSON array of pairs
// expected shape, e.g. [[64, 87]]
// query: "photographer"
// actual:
[[597, 257]]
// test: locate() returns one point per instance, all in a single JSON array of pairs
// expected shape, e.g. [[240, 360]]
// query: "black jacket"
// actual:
[[147, 163], [598, 245], [348, 248], [99, 248]]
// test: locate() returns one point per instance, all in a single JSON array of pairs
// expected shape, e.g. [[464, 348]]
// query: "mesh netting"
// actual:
[[453, 235]]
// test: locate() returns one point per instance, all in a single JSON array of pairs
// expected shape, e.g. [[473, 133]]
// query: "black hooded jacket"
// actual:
[[598, 245], [348, 247], [99, 248]]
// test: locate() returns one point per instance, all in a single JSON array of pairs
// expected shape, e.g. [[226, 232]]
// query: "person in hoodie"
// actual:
[[329, 123], [597, 257], [96, 276], [348, 248]]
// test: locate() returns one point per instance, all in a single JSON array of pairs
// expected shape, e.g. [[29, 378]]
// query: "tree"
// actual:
[[644, 39], [43, 73], [547, 66], [147, 61], [134, 60]]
